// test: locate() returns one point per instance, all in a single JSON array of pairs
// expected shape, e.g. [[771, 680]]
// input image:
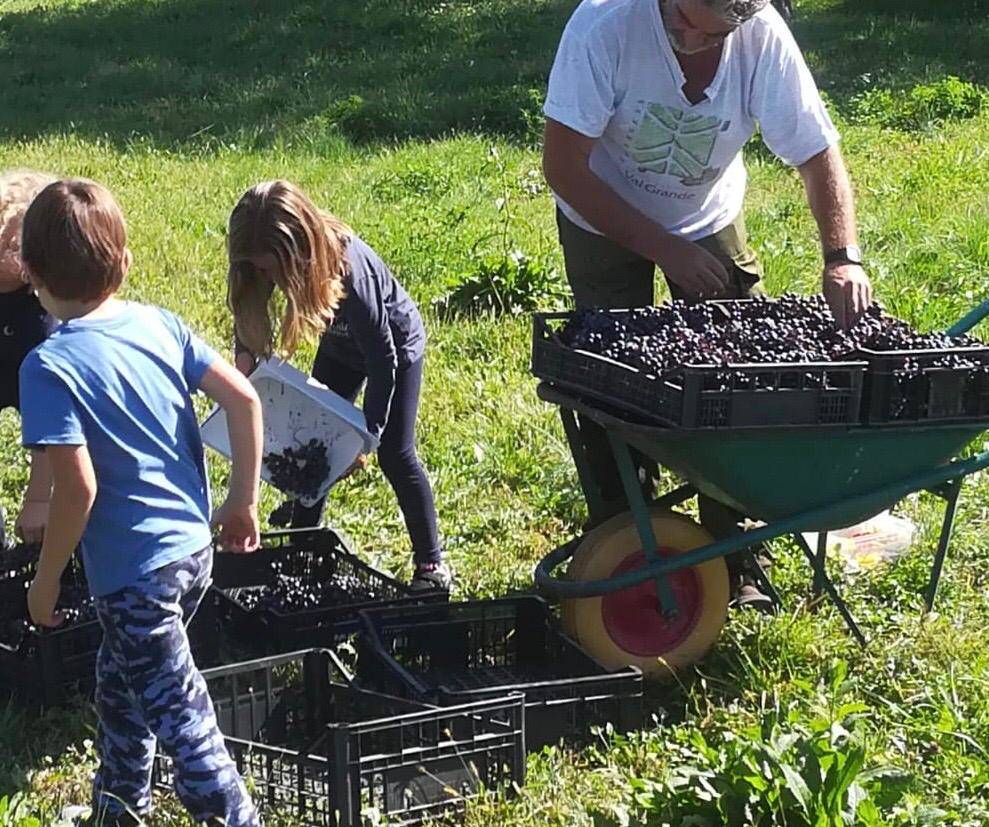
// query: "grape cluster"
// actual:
[[298, 591], [662, 341], [299, 470]]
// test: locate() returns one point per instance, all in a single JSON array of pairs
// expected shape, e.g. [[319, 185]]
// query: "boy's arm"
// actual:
[[31, 522], [73, 493], [238, 516]]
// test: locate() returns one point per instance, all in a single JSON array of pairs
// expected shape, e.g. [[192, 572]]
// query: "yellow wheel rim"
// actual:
[[625, 628]]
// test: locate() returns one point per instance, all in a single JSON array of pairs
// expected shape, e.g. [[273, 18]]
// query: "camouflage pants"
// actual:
[[149, 693]]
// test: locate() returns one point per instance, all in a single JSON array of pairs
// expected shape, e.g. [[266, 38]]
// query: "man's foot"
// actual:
[[430, 576], [746, 594]]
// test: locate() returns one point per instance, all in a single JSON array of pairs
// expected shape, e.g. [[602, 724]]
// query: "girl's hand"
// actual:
[[245, 363], [359, 464], [42, 598], [31, 522], [240, 530]]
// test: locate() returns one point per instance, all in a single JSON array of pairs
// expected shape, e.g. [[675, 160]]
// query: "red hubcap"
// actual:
[[632, 618]]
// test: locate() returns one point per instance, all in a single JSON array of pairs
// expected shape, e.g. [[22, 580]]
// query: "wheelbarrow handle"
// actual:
[[970, 320]]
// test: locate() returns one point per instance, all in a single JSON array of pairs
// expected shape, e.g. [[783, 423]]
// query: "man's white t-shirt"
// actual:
[[616, 78]]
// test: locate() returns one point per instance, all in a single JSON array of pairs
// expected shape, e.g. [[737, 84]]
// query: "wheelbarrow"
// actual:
[[649, 587]]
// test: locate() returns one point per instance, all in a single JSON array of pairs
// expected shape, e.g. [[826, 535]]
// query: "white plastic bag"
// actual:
[[880, 539], [295, 409]]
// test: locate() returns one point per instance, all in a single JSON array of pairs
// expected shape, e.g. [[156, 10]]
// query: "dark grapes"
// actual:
[[662, 341], [299, 470], [316, 584]]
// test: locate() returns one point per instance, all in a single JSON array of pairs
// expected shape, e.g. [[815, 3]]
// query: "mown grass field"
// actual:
[[418, 122]]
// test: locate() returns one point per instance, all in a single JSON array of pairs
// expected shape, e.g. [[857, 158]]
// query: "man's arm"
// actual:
[[829, 194], [73, 494], [566, 165], [31, 522]]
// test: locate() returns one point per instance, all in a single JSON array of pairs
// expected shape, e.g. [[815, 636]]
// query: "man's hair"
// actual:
[[737, 12], [74, 240]]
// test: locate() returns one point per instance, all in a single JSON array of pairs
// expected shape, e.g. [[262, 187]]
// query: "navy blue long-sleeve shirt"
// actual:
[[376, 329]]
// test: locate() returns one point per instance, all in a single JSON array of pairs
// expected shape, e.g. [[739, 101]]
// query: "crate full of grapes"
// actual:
[[921, 378], [47, 666], [303, 587], [727, 364], [311, 434]]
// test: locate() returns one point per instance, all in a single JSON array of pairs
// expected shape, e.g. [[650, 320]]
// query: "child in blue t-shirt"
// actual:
[[108, 398], [24, 324]]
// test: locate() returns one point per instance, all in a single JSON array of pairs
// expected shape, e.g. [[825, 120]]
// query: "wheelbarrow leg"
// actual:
[[822, 557], [821, 575], [643, 520], [950, 494]]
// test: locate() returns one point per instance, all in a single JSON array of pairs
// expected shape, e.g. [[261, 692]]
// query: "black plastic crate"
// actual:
[[49, 666], [319, 751], [318, 556], [907, 387], [458, 652], [708, 397]]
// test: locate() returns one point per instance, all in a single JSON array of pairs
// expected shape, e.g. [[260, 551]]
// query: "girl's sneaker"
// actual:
[[430, 576]]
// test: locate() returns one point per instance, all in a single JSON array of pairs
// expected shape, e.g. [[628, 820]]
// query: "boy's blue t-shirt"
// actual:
[[123, 386]]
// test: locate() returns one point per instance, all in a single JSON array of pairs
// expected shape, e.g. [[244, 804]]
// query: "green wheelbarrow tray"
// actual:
[[773, 473], [800, 480]]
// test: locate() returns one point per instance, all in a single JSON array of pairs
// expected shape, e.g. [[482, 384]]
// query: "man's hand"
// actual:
[[42, 598], [848, 291], [31, 522], [692, 268], [239, 527]]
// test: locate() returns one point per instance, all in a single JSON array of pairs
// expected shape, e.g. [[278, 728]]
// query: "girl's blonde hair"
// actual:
[[18, 188], [277, 218]]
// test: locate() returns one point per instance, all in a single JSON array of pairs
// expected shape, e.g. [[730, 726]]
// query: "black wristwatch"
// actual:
[[844, 255]]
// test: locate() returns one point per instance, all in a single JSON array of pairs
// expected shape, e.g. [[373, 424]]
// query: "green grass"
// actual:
[[416, 122]]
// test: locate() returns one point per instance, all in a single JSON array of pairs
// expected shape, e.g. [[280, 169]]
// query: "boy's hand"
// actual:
[[31, 522], [42, 598], [239, 528]]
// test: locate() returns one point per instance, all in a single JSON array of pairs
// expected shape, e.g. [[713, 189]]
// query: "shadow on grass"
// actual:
[[250, 70], [255, 72], [856, 45]]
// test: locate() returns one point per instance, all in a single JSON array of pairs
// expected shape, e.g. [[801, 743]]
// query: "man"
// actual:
[[649, 105]]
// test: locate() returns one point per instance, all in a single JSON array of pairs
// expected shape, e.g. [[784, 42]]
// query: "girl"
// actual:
[[337, 288], [24, 324]]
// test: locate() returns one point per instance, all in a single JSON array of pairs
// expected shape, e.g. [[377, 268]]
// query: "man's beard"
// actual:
[[676, 42]]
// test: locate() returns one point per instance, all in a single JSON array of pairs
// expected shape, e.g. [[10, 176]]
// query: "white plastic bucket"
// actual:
[[296, 408]]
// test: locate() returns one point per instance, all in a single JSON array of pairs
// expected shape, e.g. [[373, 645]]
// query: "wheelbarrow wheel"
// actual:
[[625, 628]]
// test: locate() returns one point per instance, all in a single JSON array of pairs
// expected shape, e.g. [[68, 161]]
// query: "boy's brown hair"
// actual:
[[74, 240]]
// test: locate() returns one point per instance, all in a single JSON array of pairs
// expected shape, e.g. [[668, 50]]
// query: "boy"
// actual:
[[108, 397], [24, 324]]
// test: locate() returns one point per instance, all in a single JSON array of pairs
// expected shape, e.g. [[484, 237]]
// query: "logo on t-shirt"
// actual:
[[669, 141]]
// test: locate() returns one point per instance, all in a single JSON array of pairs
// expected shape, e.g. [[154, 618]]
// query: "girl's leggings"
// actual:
[[396, 454]]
